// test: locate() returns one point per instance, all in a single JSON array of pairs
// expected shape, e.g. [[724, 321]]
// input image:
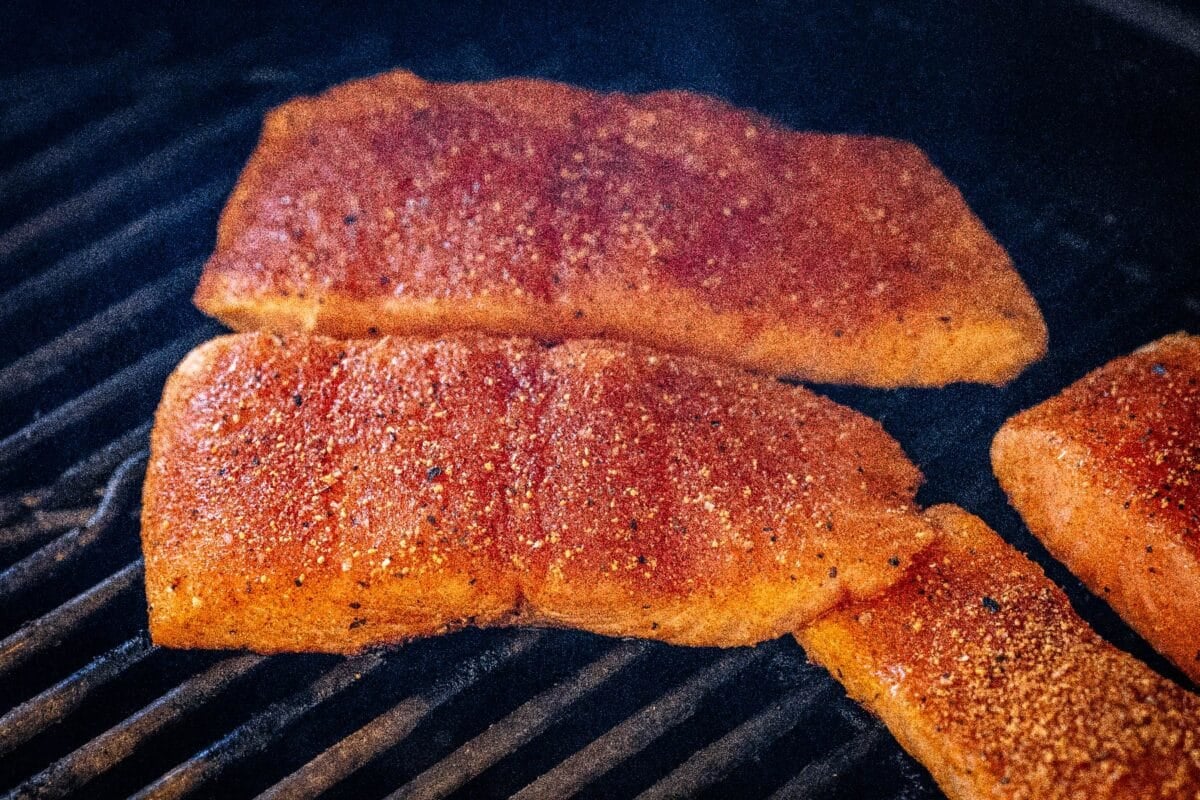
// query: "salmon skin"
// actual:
[[314, 494], [525, 207], [1107, 474]]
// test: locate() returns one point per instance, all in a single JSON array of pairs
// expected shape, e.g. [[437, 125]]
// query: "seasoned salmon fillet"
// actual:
[[1107, 474], [305, 493], [393, 205], [980, 667]]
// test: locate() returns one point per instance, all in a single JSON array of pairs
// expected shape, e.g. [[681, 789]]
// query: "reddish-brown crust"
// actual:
[[1107, 474], [311, 494], [980, 667], [394, 205]]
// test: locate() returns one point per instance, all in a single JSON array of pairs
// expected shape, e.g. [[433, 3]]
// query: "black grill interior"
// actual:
[[1072, 135]]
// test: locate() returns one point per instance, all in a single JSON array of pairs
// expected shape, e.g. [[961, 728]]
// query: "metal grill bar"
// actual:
[[53, 358], [96, 134], [389, 728], [52, 628], [43, 524], [36, 112], [106, 459], [145, 110], [639, 730], [79, 481], [519, 727], [51, 706], [122, 740], [149, 371], [713, 762], [819, 777], [21, 86], [99, 258], [85, 206], [48, 560], [259, 731]]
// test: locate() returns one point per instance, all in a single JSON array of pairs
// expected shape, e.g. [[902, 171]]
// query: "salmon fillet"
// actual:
[[305, 493], [314, 494], [982, 670], [1107, 474], [532, 208]]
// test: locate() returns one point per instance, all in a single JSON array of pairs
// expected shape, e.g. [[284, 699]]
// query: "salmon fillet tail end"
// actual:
[[979, 666]]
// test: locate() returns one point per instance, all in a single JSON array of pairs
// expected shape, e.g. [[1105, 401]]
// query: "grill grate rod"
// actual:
[[156, 167], [34, 81], [85, 207], [167, 87], [259, 731], [914, 780], [43, 524], [58, 95], [389, 728], [53, 627], [635, 733], [819, 778], [122, 740], [48, 708], [54, 358], [79, 481], [41, 564], [145, 375], [99, 258], [518, 728], [88, 139], [709, 765]]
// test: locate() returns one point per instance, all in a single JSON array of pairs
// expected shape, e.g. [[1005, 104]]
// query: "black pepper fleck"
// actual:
[[432, 473], [894, 561], [833, 572], [991, 605], [298, 400]]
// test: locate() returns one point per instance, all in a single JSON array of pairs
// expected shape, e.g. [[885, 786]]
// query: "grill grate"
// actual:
[[113, 171]]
